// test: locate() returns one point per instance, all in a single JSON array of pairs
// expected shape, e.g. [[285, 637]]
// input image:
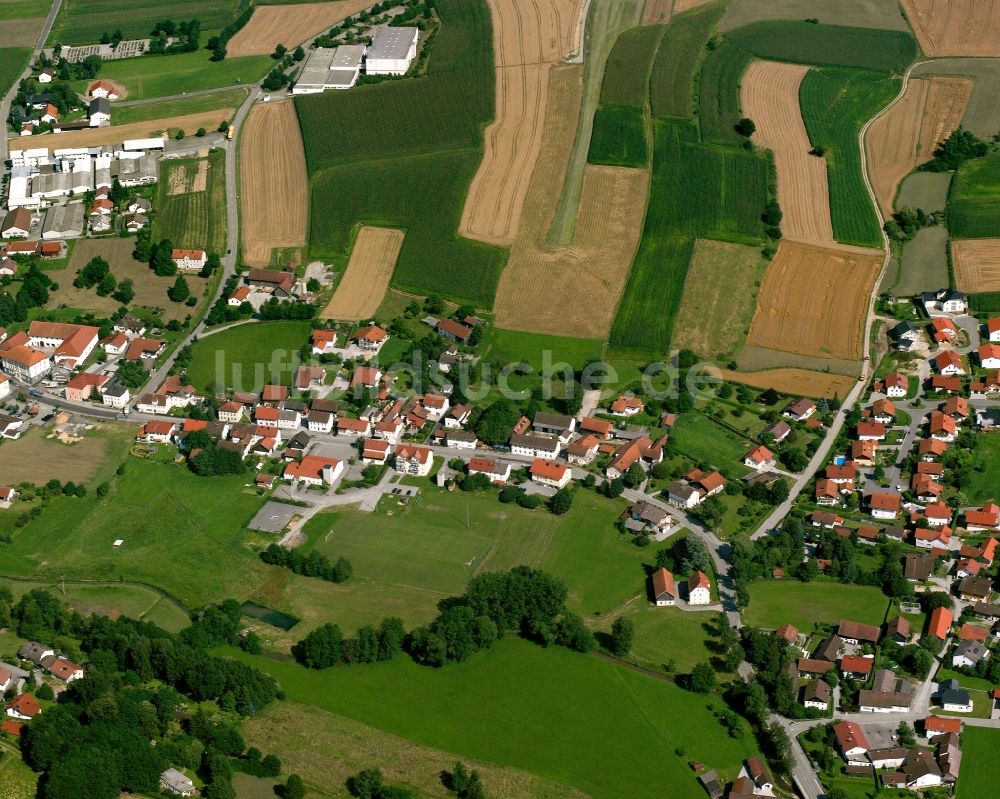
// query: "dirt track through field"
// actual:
[[795, 381], [529, 37], [115, 134], [906, 135], [369, 270], [956, 27], [289, 25], [977, 264], [814, 300], [274, 187], [571, 290], [770, 97]]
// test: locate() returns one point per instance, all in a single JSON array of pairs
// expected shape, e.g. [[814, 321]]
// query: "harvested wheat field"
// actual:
[[795, 381], [20, 32], [289, 25], [529, 37], [813, 300], [977, 264], [657, 12], [907, 134], [956, 27], [118, 133], [770, 97], [274, 187], [369, 270], [571, 290]]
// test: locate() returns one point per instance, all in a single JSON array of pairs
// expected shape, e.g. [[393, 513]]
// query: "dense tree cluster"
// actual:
[[185, 36], [370, 784], [34, 293], [286, 309], [959, 147], [326, 646], [685, 555], [314, 564]]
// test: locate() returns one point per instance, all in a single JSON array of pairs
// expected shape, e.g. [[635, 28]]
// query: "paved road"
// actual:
[[9, 98]]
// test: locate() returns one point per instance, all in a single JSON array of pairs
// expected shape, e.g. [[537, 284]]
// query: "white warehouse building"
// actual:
[[391, 52], [330, 68]]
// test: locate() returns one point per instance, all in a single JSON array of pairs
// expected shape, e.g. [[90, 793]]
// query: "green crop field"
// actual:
[[173, 526], [13, 60], [422, 194], [974, 202], [193, 219], [246, 357], [24, 9], [725, 192], [619, 743], [152, 76], [836, 103], [672, 83], [83, 21], [985, 302], [828, 45], [619, 136], [232, 98], [980, 765], [511, 346], [982, 483], [719, 92], [777, 602], [414, 176], [626, 75]]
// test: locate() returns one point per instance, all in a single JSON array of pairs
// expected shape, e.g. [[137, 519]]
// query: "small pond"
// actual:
[[269, 615]]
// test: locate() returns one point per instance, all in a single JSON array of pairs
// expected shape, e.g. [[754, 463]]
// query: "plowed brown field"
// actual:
[[813, 300], [571, 290], [289, 25], [529, 37], [795, 381], [907, 134], [956, 27], [274, 187], [770, 97], [977, 264], [118, 133], [369, 270]]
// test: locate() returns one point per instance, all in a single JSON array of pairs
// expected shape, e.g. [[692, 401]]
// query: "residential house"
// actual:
[[493, 468], [639, 450], [953, 698], [852, 632], [829, 650], [981, 519], [945, 384], [895, 385], [99, 112], [918, 568], [856, 667], [824, 519], [779, 431], [627, 406], [24, 707], [82, 386], [942, 427], [411, 459], [548, 473], [7, 497], [816, 695], [66, 670], [940, 623], [989, 356], [969, 654], [884, 504], [460, 439], [949, 363], [993, 329], [943, 329], [863, 452], [355, 427], [975, 589], [884, 411], [870, 431], [16, 224], [699, 589], [934, 725], [534, 446], [314, 470], [760, 457], [320, 421], [157, 431], [851, 741], [947, 301], [898, 630], [930, 449], [231, 411], [323, 342], [827, 492], [174, 781], [583, 450], [457, 416], [800, 410], [646, 517]]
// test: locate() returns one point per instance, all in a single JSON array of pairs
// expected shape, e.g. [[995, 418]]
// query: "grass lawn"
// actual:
[[24, 9], [667, 637], [973, 683], [173, 108], [35, 458], [193, 219], [619, 742], [702, 440], [982, 706], [777, 602], [540, 351], [18, 781], [135, 601], [181, 533], [246, 357], [164, 76], [980, 765], [12, 62], [982, 482]]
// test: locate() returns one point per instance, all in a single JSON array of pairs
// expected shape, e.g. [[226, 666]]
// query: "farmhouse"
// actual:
[[189, 260], [699, 589], [534, 446], [636, 451], [853, 632], [453, 330], [103, 88], [71, 344], [583, 450], [7, 496], [627, 406], [278, 282], [99, 112], [664, 590], [548, 473], [391, 51]]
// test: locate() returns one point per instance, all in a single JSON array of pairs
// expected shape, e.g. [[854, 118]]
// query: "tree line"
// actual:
[[314, 564]]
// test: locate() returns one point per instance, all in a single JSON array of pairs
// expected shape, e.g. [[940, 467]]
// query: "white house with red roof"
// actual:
[[189, 260], [989, 356], [24, 707], [7, 496], [240, 296], [66, 670], [664, 588], [71, 344], [949, 362], [993, 329], [314, 470], [699, 589], [550, 473], [851, 741], [24, 363], [895, 385], [627, 406], [760, 457], [411, 459], [323, 342], [4, 386], [493, 468], [370, 338], [982, 519], [375, 450], [158, 431]]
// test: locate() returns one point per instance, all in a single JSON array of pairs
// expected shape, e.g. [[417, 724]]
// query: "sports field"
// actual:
[[720, 295], [777, 602], [361, 289], [977, 264], [289, 25], [907, 135], [193, 218], [619, 743], [529, 37], [814, 300], [84, 22], [770, 95], [956, 27], [246, 357], [274, 187]]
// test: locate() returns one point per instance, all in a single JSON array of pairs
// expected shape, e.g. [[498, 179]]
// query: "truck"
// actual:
[[229, 133]]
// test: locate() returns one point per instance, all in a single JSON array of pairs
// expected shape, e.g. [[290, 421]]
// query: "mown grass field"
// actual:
[[725, 192], [415, 176], [619, 743], [801, 42], [777, 602], [982, 483], [672, 82], [246, 357], [12, 62], [35, 458], [619, 136], [980, 765], [974, 202], [83, 21], [708, 443], [667, 638], [19, 781], [193, 219], [511, 346], [24, 9], [924, 266], [166, 75], [836, 103], [927, 190], [188, 105]]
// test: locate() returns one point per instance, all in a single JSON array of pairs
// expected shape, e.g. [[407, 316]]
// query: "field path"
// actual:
[[906, 135], [770, 97], [289, 25], [529, 37], [274, 186], [369, 270]]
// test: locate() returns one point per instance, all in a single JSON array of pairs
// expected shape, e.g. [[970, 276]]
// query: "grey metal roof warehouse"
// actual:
[[391, 43]]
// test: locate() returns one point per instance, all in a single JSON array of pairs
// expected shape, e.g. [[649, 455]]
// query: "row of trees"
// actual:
[[314, 564], [326, 646]]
